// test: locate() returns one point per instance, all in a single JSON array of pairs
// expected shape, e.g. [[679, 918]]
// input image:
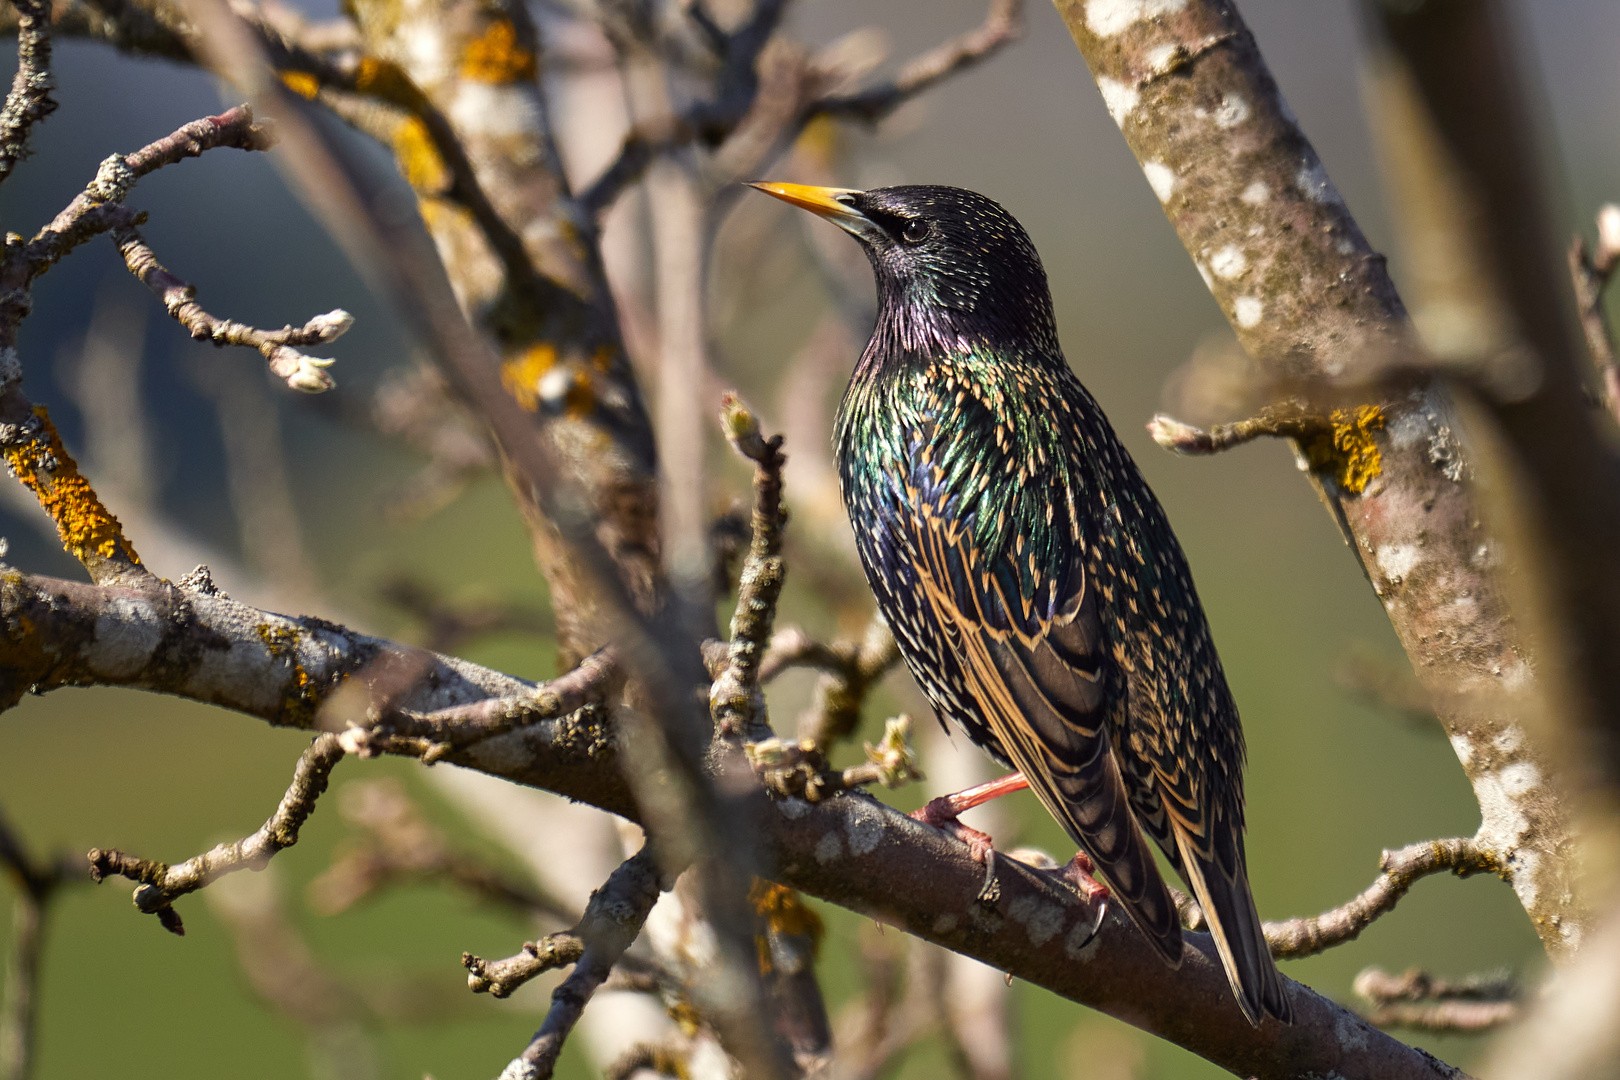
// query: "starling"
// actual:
[[1030, 576]]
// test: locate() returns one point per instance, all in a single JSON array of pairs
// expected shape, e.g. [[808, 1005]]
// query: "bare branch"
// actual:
[[1003, 23], [612, 921], [499, 978], [32, 449], [161, 884], [734, 697], [301, 372], [594, 681], [91, 211], [19, 994], [849, 850], [801, 770], [1312, 302], [1401, 870], [30, 98], [1417, 1000], [1591, 271]]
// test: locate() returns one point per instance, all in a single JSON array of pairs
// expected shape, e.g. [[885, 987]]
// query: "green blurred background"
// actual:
[[1331, 781]]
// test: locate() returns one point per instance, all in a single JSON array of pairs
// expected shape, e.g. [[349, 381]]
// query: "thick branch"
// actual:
[[849, 850], [161, 884], [1313, 303]]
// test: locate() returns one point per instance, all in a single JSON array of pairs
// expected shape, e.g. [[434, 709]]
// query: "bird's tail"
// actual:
[[1235, 924]]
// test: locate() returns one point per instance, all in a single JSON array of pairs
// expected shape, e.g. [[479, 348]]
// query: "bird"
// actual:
[[1030, 576]]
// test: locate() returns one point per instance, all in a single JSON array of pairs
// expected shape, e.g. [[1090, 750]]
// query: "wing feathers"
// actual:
[[1239, 938]]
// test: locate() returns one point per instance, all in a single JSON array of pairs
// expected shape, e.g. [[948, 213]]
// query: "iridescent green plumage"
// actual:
[[1030, 576]]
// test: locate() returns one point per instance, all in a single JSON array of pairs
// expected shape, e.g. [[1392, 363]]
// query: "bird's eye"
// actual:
[[915, 231]]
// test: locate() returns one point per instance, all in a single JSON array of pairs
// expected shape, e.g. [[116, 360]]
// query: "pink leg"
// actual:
[[1078, 873], [942, 812]]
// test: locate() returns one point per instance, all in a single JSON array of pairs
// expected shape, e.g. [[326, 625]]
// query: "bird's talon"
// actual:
[[1078, 873]]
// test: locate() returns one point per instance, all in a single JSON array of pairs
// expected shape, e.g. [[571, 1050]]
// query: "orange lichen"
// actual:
[[495, 56], [785, 913], [419, 160], [1348, 451], [44, 467], [521, 374], [301, 83]]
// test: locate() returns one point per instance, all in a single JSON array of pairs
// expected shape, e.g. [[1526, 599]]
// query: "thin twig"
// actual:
[[86, 216], [611, 924], [19, 995], [30, 98], [851, 670], [162, 884], [1416, 999], [1003, 23], [1401, 870], [298, 370], [734, 698], [800, 770], [446, 730], [1591, 272]]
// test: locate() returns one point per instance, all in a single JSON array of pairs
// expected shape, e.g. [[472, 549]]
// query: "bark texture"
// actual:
[[1314, 304]]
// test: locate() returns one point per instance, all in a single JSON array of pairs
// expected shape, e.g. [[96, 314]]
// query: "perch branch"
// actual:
[[848, 850], [161, 885]]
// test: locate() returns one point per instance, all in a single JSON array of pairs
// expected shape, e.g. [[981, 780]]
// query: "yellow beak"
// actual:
[[826, 202]]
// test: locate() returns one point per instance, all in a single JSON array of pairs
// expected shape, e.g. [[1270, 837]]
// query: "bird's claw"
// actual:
[[941, 814]]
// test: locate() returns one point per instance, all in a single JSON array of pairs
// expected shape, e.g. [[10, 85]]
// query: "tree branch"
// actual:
[[1313, 303], [735, 701], [161, 884], [612, 921], [1418, 1000], [30, 98], [1591, 271], [849, 850], [1400, 870]]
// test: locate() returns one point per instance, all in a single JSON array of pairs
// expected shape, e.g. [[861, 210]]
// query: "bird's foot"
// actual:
[[1078, 873], [941, 814]]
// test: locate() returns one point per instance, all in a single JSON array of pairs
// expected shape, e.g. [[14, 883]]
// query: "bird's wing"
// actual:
[[1033, 660], [1187, 799]]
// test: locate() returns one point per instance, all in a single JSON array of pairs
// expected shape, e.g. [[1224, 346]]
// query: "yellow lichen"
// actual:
[[44, 467], [282, 642], [495, 56], [785, 913], [521, 374], [1348, 451], [301, 83], [419, 160]]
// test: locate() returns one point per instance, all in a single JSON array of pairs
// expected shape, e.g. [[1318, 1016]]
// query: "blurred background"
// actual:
[[316, 508]]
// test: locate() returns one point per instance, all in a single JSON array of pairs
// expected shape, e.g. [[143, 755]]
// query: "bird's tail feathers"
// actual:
[[1234, 923]]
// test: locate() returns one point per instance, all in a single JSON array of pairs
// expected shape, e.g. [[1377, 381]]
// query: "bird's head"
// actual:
[[941, 254]]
